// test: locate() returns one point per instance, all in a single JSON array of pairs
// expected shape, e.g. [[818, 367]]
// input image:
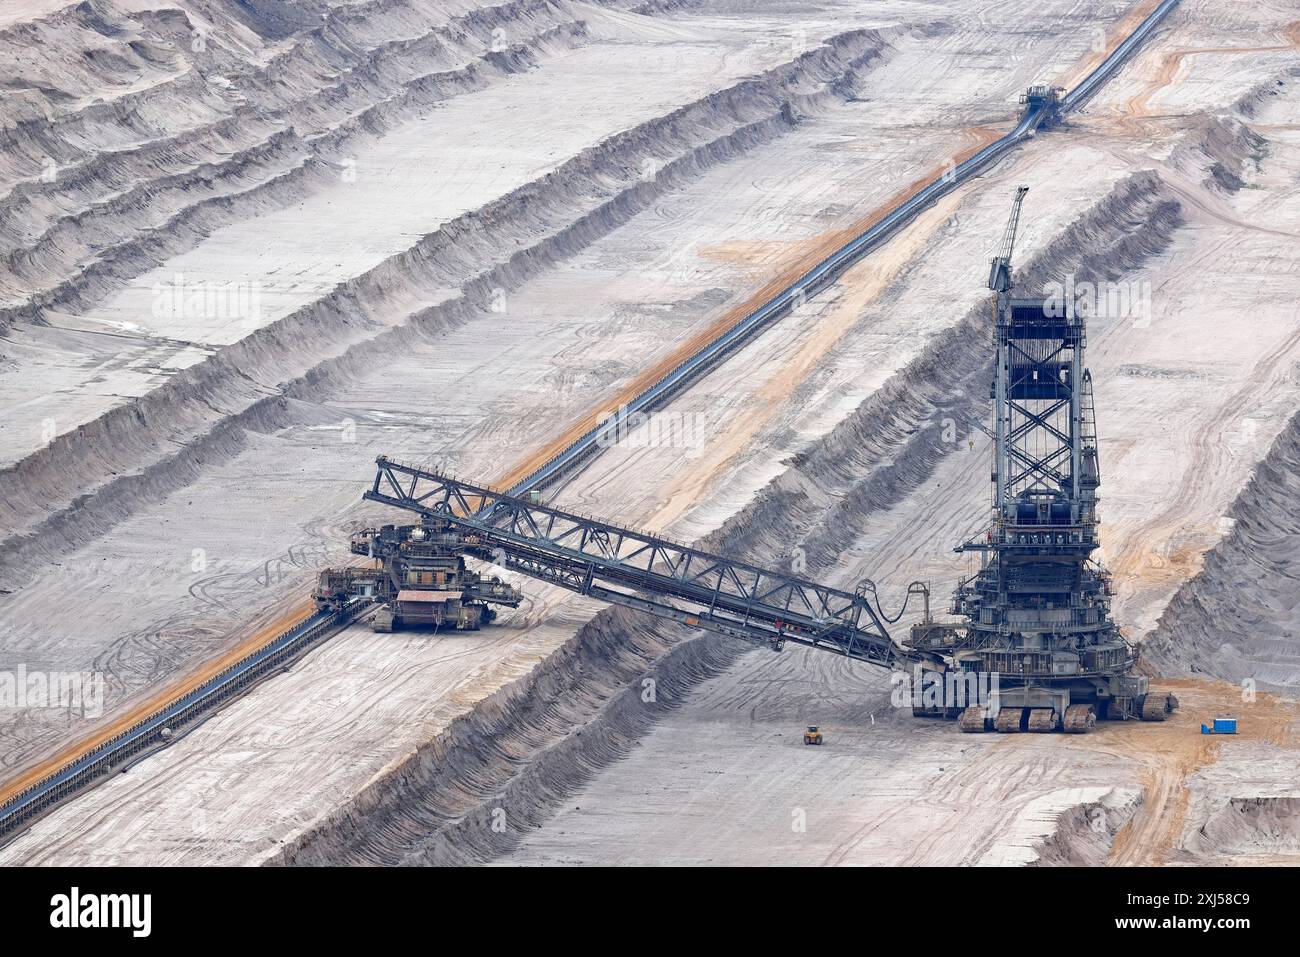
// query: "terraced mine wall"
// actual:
[[178, 159], [86, 481], [1237, 618]]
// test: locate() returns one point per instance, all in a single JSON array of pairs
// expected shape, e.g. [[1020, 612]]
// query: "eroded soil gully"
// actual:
[[467, 796], [1083, 835], [87, 481]]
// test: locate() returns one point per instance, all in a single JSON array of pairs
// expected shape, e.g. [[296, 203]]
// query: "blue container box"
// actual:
[[1221, 726]]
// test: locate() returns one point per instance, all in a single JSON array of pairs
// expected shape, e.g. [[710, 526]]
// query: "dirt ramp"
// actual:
[[1230, 148]]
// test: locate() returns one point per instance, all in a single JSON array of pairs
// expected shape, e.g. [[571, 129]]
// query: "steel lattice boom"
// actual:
[[640, 570]]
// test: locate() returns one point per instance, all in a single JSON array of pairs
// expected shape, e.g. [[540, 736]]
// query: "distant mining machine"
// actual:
[[1032, 626]]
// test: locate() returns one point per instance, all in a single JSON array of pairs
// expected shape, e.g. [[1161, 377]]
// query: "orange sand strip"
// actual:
[[139, 712]]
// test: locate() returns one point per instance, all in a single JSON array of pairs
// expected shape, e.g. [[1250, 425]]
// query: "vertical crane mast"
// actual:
[[1000, 273], [1038, 395], [1001, 282]]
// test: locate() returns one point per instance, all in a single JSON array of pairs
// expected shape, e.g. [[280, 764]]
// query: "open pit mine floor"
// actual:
[[238, 269]]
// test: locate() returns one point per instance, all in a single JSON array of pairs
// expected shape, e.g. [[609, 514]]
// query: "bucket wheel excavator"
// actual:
[[1030, 646]]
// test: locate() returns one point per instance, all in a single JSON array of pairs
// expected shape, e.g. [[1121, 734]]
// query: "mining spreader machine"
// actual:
[[1032, 625]]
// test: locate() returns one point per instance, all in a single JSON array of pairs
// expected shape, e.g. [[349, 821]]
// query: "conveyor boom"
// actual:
[[642, 571]]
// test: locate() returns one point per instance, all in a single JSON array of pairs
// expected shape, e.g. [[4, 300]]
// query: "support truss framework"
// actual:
[[1037, 403], [643, 571]]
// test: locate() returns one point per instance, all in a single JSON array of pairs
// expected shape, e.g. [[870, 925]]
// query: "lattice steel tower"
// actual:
[[1038, 611]]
